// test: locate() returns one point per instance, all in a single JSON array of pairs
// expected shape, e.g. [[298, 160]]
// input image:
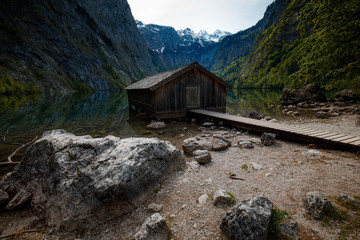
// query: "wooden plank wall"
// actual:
[[172, 96]]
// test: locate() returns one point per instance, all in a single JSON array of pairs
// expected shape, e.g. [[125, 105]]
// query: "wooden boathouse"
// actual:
[[172, 93]]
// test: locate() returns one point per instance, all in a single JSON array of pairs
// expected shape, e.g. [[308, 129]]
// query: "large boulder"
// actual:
[[249, 219], [309, 94], [79, 182]]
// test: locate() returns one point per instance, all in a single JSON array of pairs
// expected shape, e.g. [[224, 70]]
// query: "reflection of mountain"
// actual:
[[242, 101], [100, 114]]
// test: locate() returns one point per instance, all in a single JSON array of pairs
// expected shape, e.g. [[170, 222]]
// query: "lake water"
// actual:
[[100, 114]]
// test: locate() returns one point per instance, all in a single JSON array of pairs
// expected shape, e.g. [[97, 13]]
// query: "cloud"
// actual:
[[209, 15]]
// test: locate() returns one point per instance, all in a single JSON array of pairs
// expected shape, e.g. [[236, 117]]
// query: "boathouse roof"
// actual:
[[155, 81]]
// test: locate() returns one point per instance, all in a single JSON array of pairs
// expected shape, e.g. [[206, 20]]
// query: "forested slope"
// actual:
[[312, 41]]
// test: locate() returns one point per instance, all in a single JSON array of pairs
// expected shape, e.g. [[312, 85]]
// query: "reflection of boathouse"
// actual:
[[170, 94]]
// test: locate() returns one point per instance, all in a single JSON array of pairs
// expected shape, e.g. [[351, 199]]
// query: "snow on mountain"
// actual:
[[178, 47], [202, 35]]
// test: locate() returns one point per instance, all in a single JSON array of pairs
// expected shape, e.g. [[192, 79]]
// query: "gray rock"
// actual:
[[255, 166], [156, 125], [79, 182], [220, 144], [4, 198], [202, 199], [290, 230], [268, 139], [153, 207], [208, 124], [154, 228], [249, 219], [202, 156], [192, 144], [221, 197], [346, 95], [317, 205], [312, 154], [245, 144], [254, 115], [217, 143], [322, 114], [18, 200]]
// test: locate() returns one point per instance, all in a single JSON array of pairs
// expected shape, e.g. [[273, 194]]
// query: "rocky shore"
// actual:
[[210, 182]]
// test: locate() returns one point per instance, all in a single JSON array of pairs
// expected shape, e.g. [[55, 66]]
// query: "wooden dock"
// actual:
[[299, 134]]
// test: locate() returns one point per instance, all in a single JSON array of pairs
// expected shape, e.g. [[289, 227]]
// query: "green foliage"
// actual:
[[346, 218], [232, 196], [321, 45], [115, 79], [277, 216], [9, 86]]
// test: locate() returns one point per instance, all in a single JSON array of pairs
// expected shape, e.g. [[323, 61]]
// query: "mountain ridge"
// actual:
[[63, 46]]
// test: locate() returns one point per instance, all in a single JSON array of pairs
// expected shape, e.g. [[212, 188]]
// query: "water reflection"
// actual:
[[100, 114], [242, 101]]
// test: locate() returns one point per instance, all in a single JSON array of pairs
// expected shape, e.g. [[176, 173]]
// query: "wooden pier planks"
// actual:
[[301, 134]]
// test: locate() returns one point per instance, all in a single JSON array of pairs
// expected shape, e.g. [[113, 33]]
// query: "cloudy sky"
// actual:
[[209, 15]]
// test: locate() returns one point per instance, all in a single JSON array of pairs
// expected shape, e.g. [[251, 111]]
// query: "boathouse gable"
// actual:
[[170, 94]]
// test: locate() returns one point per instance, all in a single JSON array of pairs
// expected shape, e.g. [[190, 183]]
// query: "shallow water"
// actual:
[[101, 114]]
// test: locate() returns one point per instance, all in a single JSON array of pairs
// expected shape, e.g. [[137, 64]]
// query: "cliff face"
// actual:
[[64, 45]]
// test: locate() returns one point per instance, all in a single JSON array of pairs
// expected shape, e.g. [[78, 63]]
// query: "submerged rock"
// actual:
[[322, 114], [79, 182], [249, 219], [156, 125]]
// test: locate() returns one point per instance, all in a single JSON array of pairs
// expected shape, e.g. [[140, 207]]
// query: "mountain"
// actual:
[[213, 51], [309, 41], [71, 45], [177, 48]]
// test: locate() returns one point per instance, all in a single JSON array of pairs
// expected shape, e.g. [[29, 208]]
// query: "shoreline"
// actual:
[[287, 172]]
